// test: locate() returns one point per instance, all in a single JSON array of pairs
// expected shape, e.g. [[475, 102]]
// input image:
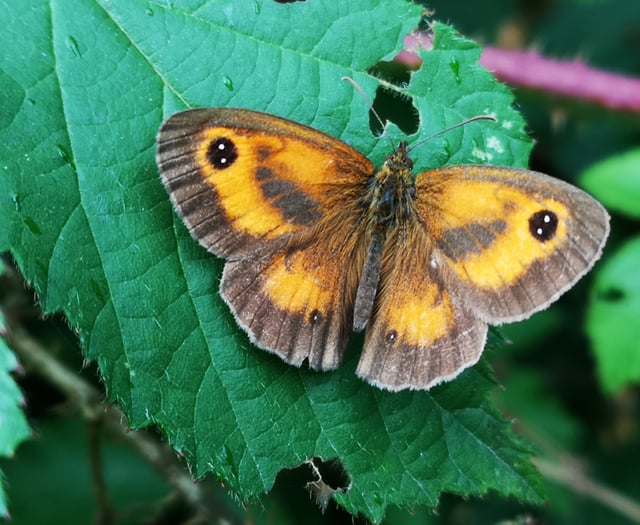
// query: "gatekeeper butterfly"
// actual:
[[319, 243]]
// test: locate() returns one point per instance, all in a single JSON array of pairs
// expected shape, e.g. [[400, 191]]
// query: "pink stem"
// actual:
[[529, 69]]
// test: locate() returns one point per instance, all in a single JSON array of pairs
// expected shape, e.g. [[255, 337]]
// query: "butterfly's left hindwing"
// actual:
[[297, 302]]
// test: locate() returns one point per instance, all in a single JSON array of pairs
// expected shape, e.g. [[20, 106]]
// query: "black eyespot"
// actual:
[[222, 153], [391, 337], [543, 225], [315, 317]]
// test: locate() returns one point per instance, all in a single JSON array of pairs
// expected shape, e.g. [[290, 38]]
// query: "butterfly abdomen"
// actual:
[[390, 206]]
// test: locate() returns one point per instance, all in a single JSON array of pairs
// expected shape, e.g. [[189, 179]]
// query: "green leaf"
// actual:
[[613, 317], [85, 87], [13, 425], [616, 182]]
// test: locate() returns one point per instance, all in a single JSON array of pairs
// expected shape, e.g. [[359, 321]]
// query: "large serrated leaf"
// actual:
[[85, 86]]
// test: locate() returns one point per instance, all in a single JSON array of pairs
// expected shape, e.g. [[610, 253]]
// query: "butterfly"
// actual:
[[319, 243]]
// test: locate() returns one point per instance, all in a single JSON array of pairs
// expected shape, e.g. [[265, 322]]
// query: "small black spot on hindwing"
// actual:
[[315, 317], [543, 225], [222, 153], [391, 337]]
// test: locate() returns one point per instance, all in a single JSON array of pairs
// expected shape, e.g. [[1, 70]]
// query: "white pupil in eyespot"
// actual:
[[221, 147]]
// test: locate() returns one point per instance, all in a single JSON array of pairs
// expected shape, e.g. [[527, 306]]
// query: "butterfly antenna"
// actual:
[[370, 104], [458, 125]]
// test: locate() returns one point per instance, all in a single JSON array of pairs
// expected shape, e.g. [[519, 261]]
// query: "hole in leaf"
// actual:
[[322, 479], [393, 107], [389, 104], [329, 478]]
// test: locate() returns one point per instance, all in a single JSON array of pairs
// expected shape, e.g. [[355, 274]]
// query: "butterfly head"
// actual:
[[399, 161]]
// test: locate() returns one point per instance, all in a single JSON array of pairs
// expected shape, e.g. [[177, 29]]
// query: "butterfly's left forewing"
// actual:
[[512, 240]]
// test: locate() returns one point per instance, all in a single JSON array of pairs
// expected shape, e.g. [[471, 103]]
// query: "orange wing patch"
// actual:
[[298, 303], [297, 284], [276, 198], [498, 245], [421, 318]]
